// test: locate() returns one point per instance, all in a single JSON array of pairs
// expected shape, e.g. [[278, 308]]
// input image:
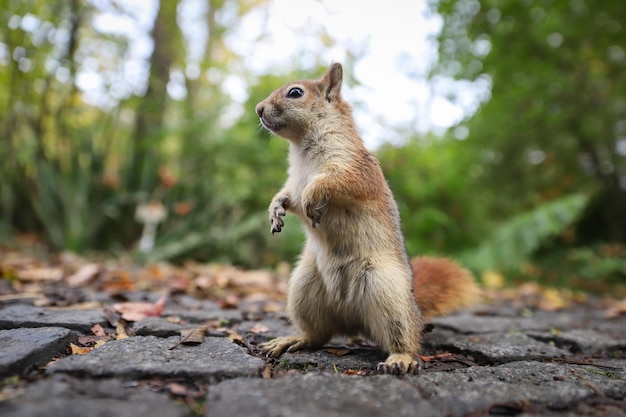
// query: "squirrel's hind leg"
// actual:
[[393, 319], [308, 309]]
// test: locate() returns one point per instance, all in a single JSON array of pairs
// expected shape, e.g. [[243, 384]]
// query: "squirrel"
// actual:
[[354, 276]]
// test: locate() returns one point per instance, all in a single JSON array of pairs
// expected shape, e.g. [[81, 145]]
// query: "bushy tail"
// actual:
[[442, 286]]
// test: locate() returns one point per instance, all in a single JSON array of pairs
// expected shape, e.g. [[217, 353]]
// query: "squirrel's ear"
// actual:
[[332, 80]]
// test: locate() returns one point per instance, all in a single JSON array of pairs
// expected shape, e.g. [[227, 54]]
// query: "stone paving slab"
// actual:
[[23, 348], [540, 321], [22, 315], [333, 359], [528, 387], [500, 348], [312, 395], [149, 356], [568, 363], [69, 397], [587, 342]]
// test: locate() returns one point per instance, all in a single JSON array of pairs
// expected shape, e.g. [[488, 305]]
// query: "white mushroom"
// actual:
[[149, 214]]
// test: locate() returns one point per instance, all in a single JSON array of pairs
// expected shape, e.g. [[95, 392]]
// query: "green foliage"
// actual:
[[554, 122], [431, 182], [598, 264], [515, 241], [550, 130], [76, 174], [64, 200]]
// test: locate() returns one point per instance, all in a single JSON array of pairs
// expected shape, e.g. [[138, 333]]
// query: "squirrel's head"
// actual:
[[298, 108]]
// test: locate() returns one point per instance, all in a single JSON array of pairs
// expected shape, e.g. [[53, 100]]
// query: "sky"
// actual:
[[396, 47], [398, 50]]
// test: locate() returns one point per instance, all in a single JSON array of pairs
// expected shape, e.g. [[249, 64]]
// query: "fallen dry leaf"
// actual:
[[177, 388], [361, 372], [230, 302], [79, 350], [193, 336], [235, 337], [84, 275], [111, 316], [91, 340], [553, 300], [119, 281], [173, 319], [259, 328], [338, 351], [100, 343], [616, 310], [98, 330], [274, 307], [184, 390], [88, 305], [22, 296], [120, 330], [267, 372], [434, 357], [136, 311], [41, 274]]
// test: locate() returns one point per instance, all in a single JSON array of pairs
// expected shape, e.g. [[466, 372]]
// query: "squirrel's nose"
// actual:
[[259, 109]]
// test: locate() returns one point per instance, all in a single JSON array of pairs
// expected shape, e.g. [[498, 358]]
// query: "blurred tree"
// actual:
[[150, 118], [555, 121], [75, 171]]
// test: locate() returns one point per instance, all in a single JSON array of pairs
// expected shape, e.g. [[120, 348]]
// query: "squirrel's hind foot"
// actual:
[[399, 364]]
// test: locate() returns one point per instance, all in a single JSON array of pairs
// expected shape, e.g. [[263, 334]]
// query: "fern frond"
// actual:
[[515, 241]]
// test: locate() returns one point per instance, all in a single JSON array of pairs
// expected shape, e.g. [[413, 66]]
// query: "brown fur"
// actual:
[[353, 276], [442, 286]]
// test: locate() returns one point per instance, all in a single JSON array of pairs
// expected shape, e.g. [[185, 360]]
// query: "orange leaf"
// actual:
[[433, 357], [79, 350], [355, 372]]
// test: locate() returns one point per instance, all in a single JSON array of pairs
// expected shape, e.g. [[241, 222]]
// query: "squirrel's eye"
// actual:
[[295, 93]]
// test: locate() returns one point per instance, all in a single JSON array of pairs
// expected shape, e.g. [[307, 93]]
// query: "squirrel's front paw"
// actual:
[[278, 209], [314, 211], [276, 347]]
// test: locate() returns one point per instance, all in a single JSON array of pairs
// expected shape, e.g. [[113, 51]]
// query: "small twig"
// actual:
[[433, 357], [587, 383]]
